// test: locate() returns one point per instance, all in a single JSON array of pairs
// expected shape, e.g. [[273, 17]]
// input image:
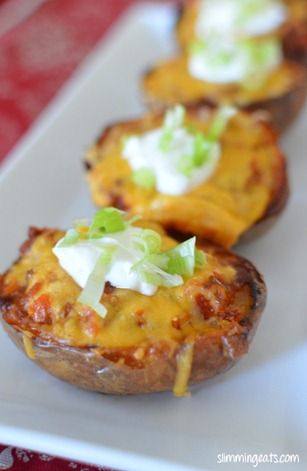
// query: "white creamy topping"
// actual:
[[79, 260], [225, 60], [240, 17], [144, 152]]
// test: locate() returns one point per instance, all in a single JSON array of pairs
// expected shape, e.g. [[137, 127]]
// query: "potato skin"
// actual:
[[280, 109], [293, 33], [283, 110], [115, 371], [119, 196]]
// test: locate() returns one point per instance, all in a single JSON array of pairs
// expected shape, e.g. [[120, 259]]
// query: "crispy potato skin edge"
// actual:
[[214, 354], [279, 111], [278, 203]]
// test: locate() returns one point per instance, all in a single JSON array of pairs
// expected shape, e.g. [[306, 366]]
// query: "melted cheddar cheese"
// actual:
[[159, 86], [44, 302], [222, 208]]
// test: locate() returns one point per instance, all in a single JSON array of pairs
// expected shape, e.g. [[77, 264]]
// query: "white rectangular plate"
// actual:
[[258, 407]]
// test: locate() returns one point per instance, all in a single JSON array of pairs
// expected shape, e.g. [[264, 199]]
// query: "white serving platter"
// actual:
[[260, 406]]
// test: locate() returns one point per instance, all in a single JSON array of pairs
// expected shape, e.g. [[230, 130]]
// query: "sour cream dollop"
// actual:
[[79, 260], [240, 17], [144, 152], [227, 60]]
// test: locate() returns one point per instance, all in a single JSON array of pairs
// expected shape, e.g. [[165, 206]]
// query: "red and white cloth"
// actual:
[[17, 459], [39, 54]]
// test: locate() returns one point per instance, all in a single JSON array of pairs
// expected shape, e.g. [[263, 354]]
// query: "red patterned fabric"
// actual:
[[40, 53], [17, 459]]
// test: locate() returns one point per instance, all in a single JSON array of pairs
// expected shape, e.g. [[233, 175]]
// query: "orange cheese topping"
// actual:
[[134, 320], [221, 208]]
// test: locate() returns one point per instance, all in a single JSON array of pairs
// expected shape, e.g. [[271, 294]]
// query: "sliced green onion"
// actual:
[[167, 268], [144, 177], [198, 46], [173, 120], [134, 219], [202, 152], [93, 290], [262, 57], [154, 275], [166, 140], [249, 9], [106, 221], [263, 53], [186, 165], [220, 121], [222, 58], [200, 258], [71, 238], [181, 259], [148, 241]]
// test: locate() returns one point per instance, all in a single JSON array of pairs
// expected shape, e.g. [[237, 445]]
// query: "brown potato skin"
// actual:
[[293, 33], [111, 371], [283, 110], [280, 110]]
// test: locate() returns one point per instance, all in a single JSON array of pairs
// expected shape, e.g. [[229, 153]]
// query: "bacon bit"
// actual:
[[5, 304], [34, 289], [87, 165], [139, 315], [29, 274], [67, 308], [178, 322], [108, 288], [92, 322], [205, 306], [118, 201], [40, 310], [256, 175]]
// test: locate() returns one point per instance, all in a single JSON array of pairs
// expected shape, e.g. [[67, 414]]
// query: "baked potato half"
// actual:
[[292, 33], [245, 194], [176, 337], [281, 96]]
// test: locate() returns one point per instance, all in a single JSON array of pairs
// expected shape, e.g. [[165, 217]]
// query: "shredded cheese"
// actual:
[[28, 346], [184, 365]]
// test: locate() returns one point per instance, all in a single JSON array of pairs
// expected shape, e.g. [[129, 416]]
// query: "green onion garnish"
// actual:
[[152, 265], [173, 120], [148, 241], [220, 121], [249, 9], [167, 268], [93, 290], [106, 221], [144, 177], [181, 259], [71, 238], [151, 273]]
